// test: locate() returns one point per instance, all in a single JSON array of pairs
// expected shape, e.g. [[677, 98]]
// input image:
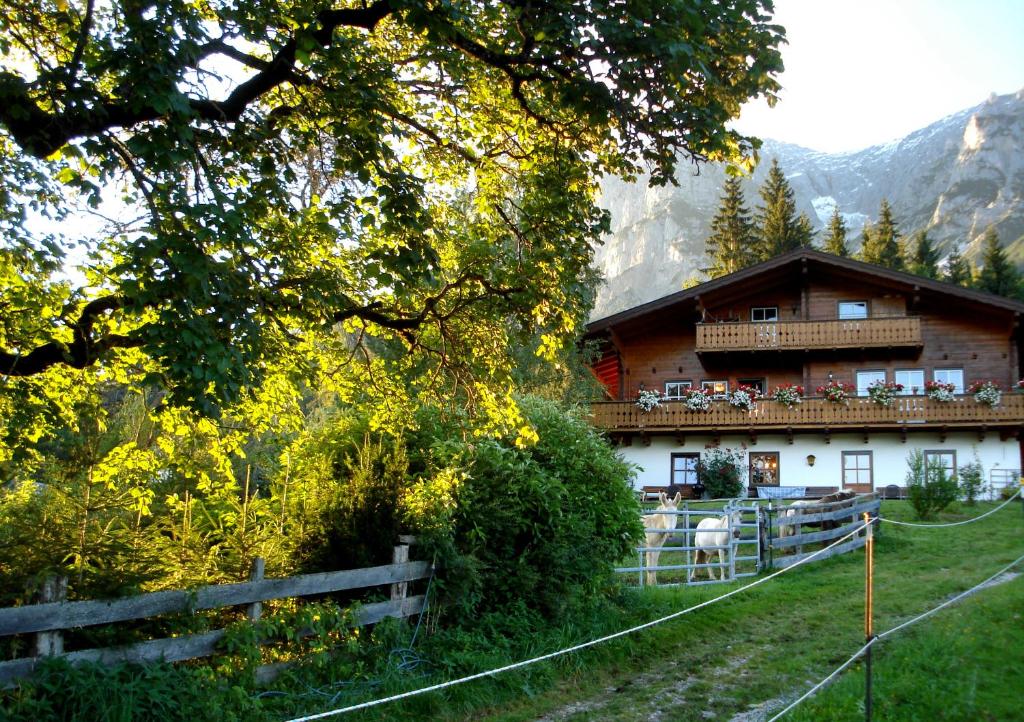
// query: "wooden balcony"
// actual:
[[892, 332], [908, 412]]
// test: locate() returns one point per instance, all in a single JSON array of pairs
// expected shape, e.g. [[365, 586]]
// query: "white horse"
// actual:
[[654, 539], [714, 532]]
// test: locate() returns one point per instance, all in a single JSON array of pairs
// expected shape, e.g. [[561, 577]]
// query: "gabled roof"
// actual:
[[868, 271]]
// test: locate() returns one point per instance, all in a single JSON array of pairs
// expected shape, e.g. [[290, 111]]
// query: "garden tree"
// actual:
[[881, 245], [957, 270], [997, 274], [922, 257], [778, 229], [731, 245], [835, 241], [419, 177]]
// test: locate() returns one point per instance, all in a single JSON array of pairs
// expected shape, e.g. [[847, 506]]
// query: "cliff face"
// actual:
[[954, 178]]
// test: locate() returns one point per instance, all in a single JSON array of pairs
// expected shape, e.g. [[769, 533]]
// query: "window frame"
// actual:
[[672, 468], [841, 317], [940, 452], [762, 384], [856, 380], [908, 389], [777, 470], [704, 385], [775, 309], [684, 383], [858, 453], [959, 387]]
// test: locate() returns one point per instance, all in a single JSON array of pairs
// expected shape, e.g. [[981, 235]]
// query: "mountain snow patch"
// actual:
[[823, 208]]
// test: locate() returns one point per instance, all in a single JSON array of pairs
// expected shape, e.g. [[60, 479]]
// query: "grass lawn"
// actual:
[[772, 643]]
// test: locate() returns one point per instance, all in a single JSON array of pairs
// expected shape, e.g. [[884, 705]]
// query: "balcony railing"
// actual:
[[793, 335], [906, 411]]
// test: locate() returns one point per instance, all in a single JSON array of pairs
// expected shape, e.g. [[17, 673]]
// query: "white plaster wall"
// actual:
[[889, 455]]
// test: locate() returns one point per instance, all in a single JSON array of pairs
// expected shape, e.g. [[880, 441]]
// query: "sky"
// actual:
[[864, 72]]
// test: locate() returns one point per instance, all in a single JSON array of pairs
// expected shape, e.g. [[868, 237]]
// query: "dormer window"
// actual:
[[853, 309], [762, 314]]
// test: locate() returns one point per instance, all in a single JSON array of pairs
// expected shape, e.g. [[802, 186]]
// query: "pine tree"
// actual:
[[958, 270], [997, 275], [731, 244], [865, 240], [804, 232], [835, 241], [922, 257], [882, 246], [777, 225]]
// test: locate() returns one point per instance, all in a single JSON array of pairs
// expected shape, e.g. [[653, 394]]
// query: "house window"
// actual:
[[675, 389], [764, 468], [857, 469], [866, 378], [912, 380], [760, 314], [944, 460], [853, 309], [951, 376], [718, 389], [684, 469], [754, 384]]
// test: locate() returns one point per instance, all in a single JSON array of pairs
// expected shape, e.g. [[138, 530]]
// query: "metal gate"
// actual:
[[676, 563]]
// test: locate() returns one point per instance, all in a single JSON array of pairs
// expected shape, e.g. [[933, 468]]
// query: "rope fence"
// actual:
[[568, 650], [860, 652], [661, 620]]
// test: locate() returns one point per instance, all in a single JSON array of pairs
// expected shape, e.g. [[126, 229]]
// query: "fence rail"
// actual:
[[49, 619], [843, 513]]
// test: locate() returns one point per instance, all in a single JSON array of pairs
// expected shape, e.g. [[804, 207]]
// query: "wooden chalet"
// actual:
[[806, 318]]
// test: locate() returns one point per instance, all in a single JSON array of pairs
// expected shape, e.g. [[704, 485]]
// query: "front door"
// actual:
[[857, 472]]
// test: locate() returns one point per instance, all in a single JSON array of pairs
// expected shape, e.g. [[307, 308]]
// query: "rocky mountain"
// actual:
[[954, 178]]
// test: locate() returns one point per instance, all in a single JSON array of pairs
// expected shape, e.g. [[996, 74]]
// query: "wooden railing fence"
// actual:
[[846, 333], [846, 516], [48, 619]]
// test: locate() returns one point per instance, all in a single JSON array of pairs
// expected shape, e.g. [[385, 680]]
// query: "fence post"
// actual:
[[51, 644], [869, 597], [400, 555], [254, 610]]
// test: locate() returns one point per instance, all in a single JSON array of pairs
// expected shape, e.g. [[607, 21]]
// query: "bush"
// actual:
[[930, 492], [722, 472], [972, 481], [536, 527]]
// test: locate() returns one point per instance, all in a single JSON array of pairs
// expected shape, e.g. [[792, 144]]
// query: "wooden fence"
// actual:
[[845, 515], [48, 619]]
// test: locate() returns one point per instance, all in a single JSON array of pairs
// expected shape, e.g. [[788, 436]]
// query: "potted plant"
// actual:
[[743, 397], [939, 391], [648, 399], [986, 392], [788, 394], [697, 399], [884, 393], [837, 392]]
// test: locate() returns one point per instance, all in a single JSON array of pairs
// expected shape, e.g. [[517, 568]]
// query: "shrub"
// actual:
[[537, 527], [929, 492], [722, 472], [972, 480]]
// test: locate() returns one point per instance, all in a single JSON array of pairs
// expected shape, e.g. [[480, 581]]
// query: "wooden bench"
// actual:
[[652, 493]]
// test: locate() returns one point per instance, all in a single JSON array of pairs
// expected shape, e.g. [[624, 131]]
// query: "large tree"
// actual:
[[835, 241], [778, 228], [997, 274], [731, 245], [414, 173], [881, 244]]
